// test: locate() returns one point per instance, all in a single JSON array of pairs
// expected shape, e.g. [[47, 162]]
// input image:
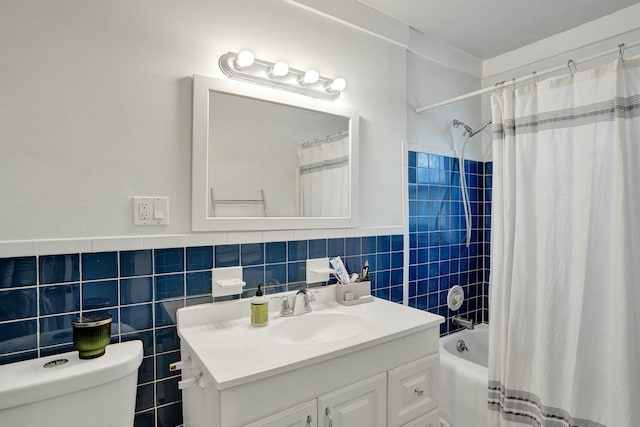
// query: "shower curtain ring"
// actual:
[[572, 67], [621, 52], [534, 77], [498, 86]]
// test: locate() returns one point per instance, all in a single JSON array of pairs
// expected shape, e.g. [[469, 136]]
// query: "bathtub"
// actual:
[[464, 378]]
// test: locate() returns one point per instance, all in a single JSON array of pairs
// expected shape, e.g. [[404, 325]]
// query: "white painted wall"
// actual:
[[431, 131], [592, 37], [95, 105], [435, 72]]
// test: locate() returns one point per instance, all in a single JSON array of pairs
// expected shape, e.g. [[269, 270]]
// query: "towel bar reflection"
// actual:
[[262, 201]]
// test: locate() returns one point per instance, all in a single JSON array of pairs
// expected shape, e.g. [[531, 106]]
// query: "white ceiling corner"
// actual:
[[488, 28]]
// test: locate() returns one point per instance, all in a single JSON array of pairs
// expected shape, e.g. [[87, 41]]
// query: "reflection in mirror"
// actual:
[[267, 160], [275, 160]]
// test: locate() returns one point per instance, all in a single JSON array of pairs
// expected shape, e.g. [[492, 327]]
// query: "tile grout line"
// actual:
[[153, 335], [38, 306]]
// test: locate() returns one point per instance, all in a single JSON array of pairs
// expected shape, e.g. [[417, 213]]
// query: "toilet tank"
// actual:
[[65, 391]]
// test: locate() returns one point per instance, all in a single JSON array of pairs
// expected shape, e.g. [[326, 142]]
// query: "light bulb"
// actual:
[[338, 84], [310, 77], [244, 59], [279, 69]]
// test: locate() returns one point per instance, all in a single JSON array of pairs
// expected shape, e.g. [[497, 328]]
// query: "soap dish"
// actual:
[[354, 293], [226, 281]]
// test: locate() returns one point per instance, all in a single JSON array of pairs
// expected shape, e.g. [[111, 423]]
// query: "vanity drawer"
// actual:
[[300, 416], [413, 390], [432, 419]]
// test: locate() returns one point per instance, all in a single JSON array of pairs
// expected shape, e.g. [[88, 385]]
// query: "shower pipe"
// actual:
[[534, 76], [463, 180]]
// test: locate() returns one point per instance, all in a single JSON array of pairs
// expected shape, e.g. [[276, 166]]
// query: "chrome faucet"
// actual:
[[306, 297], [459, 321], [298, 304]]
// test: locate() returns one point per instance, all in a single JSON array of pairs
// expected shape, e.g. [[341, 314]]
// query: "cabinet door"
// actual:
[[427, 420], [413, 390], [300, 416], [361, 404]]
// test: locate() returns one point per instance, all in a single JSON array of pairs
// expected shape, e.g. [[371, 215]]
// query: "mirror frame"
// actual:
[[200, 221]]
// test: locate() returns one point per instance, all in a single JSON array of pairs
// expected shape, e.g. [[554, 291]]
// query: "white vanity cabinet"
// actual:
[[304, 415], [432, 419], [403, 397], [361, 404], [385, 374], [413, 390]]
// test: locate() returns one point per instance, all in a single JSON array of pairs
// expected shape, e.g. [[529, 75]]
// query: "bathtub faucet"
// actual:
[[459, 321]]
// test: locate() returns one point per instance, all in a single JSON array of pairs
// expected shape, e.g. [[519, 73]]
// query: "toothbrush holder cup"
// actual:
[[354, 293]]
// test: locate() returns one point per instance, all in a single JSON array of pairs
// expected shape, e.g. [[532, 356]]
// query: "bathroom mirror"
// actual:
[[266, 160]]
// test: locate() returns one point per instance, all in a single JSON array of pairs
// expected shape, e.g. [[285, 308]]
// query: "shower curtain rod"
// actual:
[[329, 138], [534, 75]]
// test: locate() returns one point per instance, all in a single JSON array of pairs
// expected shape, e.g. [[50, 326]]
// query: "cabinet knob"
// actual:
[[309, 421], [197, 380], [419, 391], [327, 412]]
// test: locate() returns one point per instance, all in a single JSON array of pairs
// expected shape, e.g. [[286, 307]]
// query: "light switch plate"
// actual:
[[150, 210]]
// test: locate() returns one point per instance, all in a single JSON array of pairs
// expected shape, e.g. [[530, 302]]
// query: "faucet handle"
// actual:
[[285, 308], [312, 297]]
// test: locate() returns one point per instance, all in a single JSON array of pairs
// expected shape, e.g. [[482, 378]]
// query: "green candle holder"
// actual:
[[91, 335]]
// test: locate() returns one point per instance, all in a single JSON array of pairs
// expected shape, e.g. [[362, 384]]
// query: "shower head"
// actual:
[[457, 123]]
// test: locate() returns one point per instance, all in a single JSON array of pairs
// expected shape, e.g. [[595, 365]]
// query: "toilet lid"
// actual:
[[30, 381]]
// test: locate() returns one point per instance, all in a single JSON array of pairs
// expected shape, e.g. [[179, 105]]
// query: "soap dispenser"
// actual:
[[259, 308]]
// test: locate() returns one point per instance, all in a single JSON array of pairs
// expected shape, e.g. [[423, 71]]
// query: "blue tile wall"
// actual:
[[199, 258], [59, 268], [142, 289], [227, 256], [438, 256], [102, 265], [252, 254], [275, 252], [135, 263], [15, 272], [488, 185]]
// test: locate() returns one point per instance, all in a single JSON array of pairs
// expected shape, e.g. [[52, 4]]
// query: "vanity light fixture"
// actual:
[[310, 77], [244, 59], [279, 69], [245, 66], [337, 85]]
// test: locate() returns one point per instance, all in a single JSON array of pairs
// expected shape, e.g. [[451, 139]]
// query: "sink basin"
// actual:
[[317, 327]]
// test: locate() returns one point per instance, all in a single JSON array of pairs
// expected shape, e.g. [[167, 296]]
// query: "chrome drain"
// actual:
[[54, 363], [461, 346]]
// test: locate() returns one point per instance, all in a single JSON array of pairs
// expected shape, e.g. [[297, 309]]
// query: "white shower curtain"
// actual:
[[324, 178], [565, 246]]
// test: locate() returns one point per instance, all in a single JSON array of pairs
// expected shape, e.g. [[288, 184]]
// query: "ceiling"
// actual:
[[487, 28]]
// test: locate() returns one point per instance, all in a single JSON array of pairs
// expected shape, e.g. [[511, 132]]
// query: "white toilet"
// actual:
[[65, 391]]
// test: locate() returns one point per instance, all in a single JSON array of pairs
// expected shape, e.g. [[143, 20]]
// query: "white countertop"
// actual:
[[222, 340]]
